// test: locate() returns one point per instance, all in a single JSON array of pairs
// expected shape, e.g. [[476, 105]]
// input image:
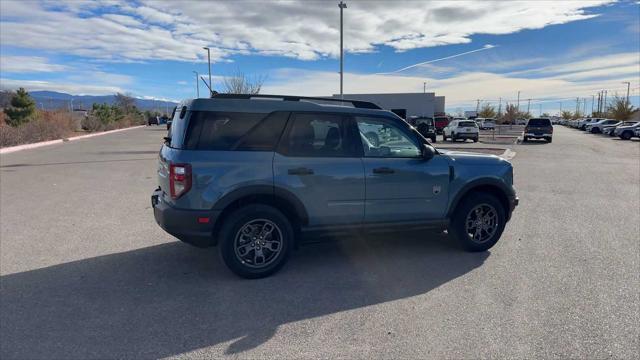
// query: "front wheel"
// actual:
[[256, 241], [478, 222], [548, 140], [433, 139], [475, 139], [626, 135], [444, 137]]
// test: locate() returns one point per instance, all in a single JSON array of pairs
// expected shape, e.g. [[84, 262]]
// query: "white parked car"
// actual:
[[461, 129], [582, 124], [486, 124], [521, 121], [626, 132], [596, 128], [609, 129]]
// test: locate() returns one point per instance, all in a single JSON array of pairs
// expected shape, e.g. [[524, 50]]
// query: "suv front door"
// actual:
[[319, 162], [400, 184]]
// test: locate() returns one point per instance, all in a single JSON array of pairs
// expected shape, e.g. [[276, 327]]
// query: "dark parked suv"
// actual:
[[538, 128], [252, 174]]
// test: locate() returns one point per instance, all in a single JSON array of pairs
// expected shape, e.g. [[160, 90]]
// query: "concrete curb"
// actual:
[[12, 149]]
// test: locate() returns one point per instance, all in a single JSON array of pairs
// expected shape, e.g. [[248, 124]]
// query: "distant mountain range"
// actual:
[[50, 100]]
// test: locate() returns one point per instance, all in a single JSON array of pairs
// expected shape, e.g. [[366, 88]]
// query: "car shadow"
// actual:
[[172, 298]]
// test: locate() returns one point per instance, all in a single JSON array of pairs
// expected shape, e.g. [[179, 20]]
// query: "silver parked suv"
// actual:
[[252, 174]]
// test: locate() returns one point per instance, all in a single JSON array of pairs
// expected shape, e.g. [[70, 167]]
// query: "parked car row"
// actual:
[[623, 129]]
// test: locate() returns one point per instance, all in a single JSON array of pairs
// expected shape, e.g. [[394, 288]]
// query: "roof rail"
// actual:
[[356, 103]]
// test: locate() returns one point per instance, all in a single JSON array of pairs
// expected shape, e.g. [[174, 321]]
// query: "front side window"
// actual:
[[383, 138], [318, 135]]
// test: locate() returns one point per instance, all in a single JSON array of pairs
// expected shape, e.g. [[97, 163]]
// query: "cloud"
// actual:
[[28, 64], [71, 88], [306, 30], [464, 88]]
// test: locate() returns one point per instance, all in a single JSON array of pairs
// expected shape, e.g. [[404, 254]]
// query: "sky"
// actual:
[[471, 52]]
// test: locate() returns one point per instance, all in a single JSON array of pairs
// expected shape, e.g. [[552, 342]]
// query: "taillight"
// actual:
[[179, 179]]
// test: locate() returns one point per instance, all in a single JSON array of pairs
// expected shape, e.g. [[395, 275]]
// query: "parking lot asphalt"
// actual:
[[86, 273]]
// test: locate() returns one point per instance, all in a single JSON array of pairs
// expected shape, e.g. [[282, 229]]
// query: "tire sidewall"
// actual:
[[458, 229], [232, 225]]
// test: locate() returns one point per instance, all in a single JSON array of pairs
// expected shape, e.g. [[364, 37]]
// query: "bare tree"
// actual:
[[487, 111], [240, 83], [619, 108], [125, 102]]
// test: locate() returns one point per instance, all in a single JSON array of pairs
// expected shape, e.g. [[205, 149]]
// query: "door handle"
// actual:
[[300, 171], [383, 170]]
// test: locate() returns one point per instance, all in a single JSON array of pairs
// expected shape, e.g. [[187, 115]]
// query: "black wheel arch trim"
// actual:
[[467, 188], [277, 193]]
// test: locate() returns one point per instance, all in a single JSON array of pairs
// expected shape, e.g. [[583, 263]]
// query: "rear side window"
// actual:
[[539, 122], [265, 135], [209, 130]]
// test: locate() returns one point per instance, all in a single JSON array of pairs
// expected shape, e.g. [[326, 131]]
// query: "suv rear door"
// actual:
[[319, 162], [400, 184]]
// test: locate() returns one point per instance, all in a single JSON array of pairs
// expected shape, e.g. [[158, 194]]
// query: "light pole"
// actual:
[[518, 106], [425, 88], [540, 111], [560, 113], [628, 86], [209, 60], [342, 6], [197, 84], [593, 99]]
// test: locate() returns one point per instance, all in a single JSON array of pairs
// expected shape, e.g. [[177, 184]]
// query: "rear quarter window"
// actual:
[[209, 130]]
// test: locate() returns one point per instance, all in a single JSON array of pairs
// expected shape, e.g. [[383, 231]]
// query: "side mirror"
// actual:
[[428, 152]]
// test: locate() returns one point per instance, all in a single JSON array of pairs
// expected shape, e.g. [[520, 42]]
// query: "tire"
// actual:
[[444, 137], [475, 139], [434, 139], [626, 135], [231, 241], [373, 138], [525, 139], [548, 140], [467, 208], [453, 137]]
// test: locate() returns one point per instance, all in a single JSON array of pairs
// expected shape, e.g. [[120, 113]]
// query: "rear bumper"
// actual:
[[538, 136], [191, 226], [467, 135]]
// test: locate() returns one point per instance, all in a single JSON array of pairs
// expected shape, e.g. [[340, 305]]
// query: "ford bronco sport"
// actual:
[[252, 174]]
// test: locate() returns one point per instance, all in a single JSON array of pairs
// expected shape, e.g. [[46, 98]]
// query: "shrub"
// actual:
[[46, 125]]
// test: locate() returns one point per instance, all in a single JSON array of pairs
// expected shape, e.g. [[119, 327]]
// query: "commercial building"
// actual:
[[404, 104]]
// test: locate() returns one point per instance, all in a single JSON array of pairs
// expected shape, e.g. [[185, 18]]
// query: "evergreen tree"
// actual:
[[22, 108]]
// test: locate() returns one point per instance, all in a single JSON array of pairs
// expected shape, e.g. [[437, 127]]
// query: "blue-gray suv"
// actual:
[[255, 173]]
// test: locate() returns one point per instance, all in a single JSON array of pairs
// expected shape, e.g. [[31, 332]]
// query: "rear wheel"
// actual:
[[433, 138], [453, 137], [444, 137], [525, 139], [478, 222], [475, 139], [256, 241]]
